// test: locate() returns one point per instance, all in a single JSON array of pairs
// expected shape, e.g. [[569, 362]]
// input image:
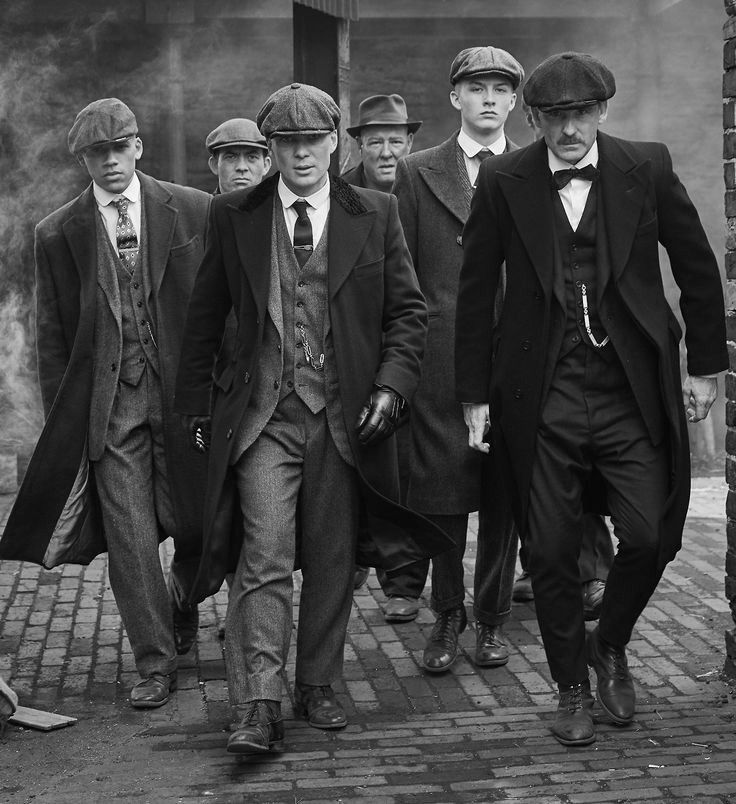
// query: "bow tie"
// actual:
[[562, 177]]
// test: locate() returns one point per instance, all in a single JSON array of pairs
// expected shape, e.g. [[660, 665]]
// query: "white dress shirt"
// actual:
[[470, 150], [574, 194], [109, 211], [318, 206]]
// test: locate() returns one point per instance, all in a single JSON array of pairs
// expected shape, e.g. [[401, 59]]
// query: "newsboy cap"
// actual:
[[383, 110], [238, 131], [481, 60], [104, 120], [298, 109], [569, 81]]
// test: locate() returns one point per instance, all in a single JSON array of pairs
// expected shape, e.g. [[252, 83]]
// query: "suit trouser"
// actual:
[[291, 473], [133, 487], [591, 419]]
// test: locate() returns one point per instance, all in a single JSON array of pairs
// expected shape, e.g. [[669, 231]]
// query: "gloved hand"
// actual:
[[380, 416], [200, 431]]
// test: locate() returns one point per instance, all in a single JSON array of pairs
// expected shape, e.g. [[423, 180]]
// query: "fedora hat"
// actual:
[[383, 110]]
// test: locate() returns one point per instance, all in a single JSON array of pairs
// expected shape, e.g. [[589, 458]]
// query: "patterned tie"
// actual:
[[303, 246], [562, 177], [126, 237]]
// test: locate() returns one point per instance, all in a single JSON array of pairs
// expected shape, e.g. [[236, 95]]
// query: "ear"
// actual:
[[267, 162], [455, 99], [333, 141], [212, 162], [409, 141], [138, 148], [603, 106], [513, 101]]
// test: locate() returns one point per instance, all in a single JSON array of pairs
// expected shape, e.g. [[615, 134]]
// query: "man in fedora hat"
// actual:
[[331, 327], [112, 469], [434, 188], [384, 134], [580, 378], [238, 154]]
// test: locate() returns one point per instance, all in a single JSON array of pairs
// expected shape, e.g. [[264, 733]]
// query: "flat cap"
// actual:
[[104, 120], [569, 81], [383, 110], [238, 131], [298, 108], [481, 60]]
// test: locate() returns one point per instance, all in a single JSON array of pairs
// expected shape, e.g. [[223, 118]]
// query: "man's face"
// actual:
[[484, 103], [303, 160], [238, 166], [111, 165], [570, 134], [381, 147]]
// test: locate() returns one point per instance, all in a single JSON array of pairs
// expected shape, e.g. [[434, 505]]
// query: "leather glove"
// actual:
[[380, 416], [200, 431]]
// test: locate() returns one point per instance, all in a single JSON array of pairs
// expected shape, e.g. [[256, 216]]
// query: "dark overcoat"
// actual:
[[643, 204], [56, 518], [444, 472], [378, 321]]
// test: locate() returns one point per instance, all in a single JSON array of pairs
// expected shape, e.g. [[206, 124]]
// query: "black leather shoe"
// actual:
[[260, 729], [186, 620], [399, 609], [491, 648], [615, 688], [441, 649], [522, 590], [573, 724], [593, 592], [153, 692], [319, 707], [361, 576]]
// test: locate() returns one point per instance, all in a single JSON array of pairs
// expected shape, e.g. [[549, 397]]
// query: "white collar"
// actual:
[[315, 200], [132, 192], [471, 147], [591, 158]]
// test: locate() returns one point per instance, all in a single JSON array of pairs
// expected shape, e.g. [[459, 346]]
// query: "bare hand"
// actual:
[[477, 418], [698, 394]]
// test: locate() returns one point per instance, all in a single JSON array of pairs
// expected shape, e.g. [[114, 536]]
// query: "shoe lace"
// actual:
[[620, 665], [573, 698], [445, 629]]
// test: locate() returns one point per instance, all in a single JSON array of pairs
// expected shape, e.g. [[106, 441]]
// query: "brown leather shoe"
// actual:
[[360, 576], [491, 648], [399, 609], [522, 590], [319, 707], [260, 729], [593, 592], [573, 724], [441, 649], [153, 691], [615, 687]]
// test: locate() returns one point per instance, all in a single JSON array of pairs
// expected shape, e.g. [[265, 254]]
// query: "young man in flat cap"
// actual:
[[330, 340], [238, 154], [112, 469], [580, 377], [434, 188]]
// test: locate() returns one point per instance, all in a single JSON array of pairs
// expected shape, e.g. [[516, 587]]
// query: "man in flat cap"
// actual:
[[238, 154], [331, 328], [434, 188], [112, 469], [580, 377]]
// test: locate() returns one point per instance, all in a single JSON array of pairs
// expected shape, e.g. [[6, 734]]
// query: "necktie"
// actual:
[[483, 154], [562, 177], [302, 233], [126, 236]]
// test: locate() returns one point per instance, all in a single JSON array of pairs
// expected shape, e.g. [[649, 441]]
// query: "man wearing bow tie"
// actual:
[[580, 378]]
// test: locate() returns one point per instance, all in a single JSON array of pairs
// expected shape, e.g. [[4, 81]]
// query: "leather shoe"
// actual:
[[615, 688], [186, 619], [593, 592], [153, 691], [441, 649], [319, 707], [400, 609], [491, 648], [260, 729], [361, 576], [573, 724], [522, 591]]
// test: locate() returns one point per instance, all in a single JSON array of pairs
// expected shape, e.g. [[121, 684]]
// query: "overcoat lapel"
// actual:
[[347, 235], [160, 222], [443, 180], [252, 230]]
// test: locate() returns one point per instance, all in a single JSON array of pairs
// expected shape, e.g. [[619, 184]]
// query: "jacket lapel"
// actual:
[[160, 222], [443, 180], [347, 235]]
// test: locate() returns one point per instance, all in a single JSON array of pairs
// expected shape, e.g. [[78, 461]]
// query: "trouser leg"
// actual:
[[448, 573], [410, 582]]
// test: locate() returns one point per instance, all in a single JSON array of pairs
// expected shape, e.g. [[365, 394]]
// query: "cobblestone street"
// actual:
[[469, 735]]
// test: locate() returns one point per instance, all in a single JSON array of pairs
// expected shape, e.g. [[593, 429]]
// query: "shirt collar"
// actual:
[[471, 147], [591, 158], [315, 200], [132, 192]]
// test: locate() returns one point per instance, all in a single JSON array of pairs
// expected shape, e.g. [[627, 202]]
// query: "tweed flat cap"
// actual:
[[383, 110], [481, 60], [238, 131], [569, 81], [298, 109], [104, 120]]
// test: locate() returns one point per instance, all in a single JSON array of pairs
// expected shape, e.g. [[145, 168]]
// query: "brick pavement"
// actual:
[[471, 735]]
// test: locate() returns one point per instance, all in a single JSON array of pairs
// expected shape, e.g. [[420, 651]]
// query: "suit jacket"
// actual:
[[642, 204], [378, 322], [55, 517], [444, 473]]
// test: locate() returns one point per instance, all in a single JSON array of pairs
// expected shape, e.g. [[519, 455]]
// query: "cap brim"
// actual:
[[292, 132], [512, 79], [568, 106], [105, 142], [412, 125], [239, 143]]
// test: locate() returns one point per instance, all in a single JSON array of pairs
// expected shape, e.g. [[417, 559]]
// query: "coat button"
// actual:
[[517, 393], [459, 240], [113, 366], [575, 339], [526, 345], [141, 360], [246, 377], [537, 295], [229, 433], [276, 385]]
